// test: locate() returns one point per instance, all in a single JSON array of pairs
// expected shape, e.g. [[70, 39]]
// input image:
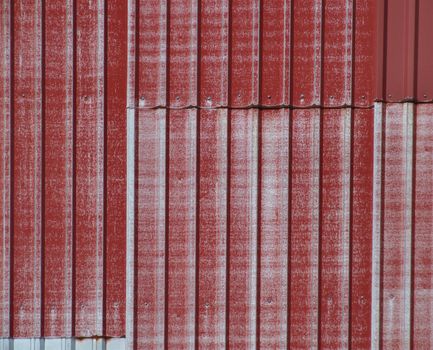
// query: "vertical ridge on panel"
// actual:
[[377, 223], [131, 160], [89, 169], [364, 55], [362, 216], [400, 48], [212, 228], [397, 230], [182, 230], [336, 157], [182, 53], [213, 63], [307, 51], [275, 56], [212, 174], [181, 191], [305, 229], [58, 168], [115, 98], [423, 248], [26, 217], [274, 229], [244, 54], [152, 53], [151, 206], [151, 172], [424, 54], [337, 52], [243, 229], [5, 169]]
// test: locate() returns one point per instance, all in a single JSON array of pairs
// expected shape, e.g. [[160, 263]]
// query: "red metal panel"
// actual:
[[115, 163], [304, 229], [182, 53], [242, 220], [307, 53], [275, 52], [151, 210], [274, 229], [362, 220], [335, 229], [151, 52], [405, 52], [26, 170], [244, 53], [5, 169], [261, 219], [400, 48], [213, 51], [181, 229], [212, 238], [337, 49], [58, 190], [423, 215], [396, 229], [89, 169], [364, 52], [424, 51]]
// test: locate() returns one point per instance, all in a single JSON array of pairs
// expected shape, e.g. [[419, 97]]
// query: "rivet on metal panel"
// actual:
[[269, 97]]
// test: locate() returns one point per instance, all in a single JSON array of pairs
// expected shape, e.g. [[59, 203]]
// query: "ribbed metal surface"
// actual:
[[62, 173], [253, 125], [405, 52], [216, 174]]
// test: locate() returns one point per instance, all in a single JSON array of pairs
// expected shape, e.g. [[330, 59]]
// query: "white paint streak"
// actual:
[[345, 237], [130, 179], [161, 225], [222, 230], [376, 244], [130, 227], [100, 170], [407, 262], [252, 273], [191, 276], [315, 204]]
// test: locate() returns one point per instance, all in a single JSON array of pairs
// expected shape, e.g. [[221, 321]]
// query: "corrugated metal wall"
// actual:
[[254, 173], [217, 174], [63, 167]]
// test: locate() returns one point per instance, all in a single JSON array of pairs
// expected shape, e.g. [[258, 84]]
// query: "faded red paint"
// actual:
[[261, 188]]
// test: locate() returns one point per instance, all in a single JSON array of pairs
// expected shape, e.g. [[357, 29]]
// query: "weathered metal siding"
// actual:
[[63, 185], [216, 174], [254, 128]]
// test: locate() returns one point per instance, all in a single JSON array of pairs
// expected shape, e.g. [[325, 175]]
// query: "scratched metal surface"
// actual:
[[216, 174]]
